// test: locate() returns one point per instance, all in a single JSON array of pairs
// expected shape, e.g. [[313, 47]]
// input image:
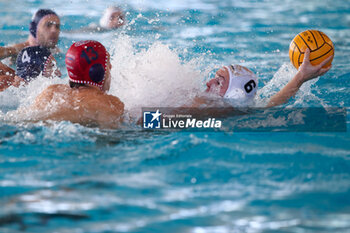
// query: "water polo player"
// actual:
[[234, 82], [31, 62], [85, 100], [237, 84], [112, 18], [44, 31]]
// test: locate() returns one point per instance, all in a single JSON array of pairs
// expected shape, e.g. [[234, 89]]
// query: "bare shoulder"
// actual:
[[46, 95], [110, 103], [81, 105], [107, 110], [56, 88], [113, 100]]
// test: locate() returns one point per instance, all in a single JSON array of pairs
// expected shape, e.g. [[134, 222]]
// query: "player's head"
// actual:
[[88, 62], [233, 82], [112, 18], [31, 61], [45, 28]]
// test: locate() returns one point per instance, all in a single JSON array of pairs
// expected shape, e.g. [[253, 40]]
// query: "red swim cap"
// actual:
[[86, 62]]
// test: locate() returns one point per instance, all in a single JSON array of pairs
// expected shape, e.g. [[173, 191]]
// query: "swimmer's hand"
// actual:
[[307, 71]]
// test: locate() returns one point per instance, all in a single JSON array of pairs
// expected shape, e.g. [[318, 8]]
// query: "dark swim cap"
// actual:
[[36, 19], [31, 61]]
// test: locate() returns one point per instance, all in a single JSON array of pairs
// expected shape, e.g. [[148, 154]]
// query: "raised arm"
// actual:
[[305, 73]]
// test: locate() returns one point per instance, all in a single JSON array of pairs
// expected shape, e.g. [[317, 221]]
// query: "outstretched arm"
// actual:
[[5, 70], [5, 82], [12, 50], [7, 76], [305, 73], [6, 52]]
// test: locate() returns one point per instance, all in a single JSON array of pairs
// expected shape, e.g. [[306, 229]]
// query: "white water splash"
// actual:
[[284, 74], [23, 96], [153, 77], [304, 97]]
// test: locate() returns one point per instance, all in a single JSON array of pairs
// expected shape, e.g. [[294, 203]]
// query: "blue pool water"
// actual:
[[63, 177]]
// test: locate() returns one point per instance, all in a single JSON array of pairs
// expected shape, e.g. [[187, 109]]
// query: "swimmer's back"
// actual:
[[83, 105]]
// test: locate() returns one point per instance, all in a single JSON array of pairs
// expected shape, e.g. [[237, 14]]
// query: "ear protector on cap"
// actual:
[[96, 73]]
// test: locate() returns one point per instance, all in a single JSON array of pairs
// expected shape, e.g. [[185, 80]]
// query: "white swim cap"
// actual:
[[242, 85], [104, 21]]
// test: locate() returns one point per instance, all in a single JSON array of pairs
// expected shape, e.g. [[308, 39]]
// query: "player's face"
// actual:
[[219, 84], [51, 69], [48, 31], [116, 20]]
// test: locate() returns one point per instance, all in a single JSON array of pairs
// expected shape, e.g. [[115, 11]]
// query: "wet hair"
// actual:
[[76, 85]]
